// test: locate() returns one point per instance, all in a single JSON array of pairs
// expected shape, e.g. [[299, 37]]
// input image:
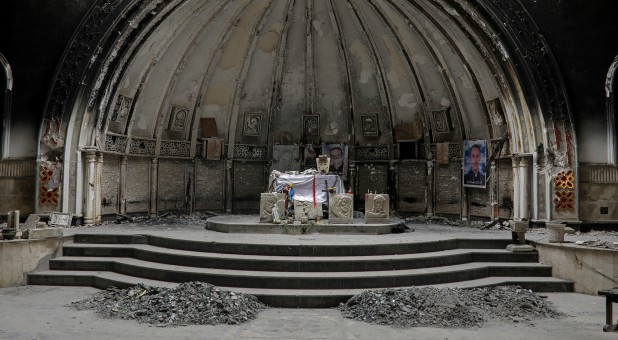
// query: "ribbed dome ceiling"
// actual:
[[297, 71]]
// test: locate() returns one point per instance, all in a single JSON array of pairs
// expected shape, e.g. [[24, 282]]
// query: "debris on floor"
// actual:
[[447, 307], [191, 303]]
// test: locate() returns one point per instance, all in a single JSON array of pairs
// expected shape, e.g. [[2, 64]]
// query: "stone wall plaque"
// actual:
[[60, 219], [341, 209], [377, 208], [369, 125], [252, 125]]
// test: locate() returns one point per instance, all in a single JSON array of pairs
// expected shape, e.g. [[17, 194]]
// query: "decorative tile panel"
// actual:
[[371, 153], [311, 125], [142, 146], [250, 152], [442, 120], [116, 143], [175, 149]]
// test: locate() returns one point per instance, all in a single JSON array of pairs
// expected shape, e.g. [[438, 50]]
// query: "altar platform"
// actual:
[[251, 224]]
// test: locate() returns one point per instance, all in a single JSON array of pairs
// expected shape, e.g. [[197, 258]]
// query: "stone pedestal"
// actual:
[[519, 229], [341, 209], [305, 210], [555, 232], [267, 202], [377, 208]]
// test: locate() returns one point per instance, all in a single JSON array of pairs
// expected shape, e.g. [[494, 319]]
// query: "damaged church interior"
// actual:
[[470, 110]]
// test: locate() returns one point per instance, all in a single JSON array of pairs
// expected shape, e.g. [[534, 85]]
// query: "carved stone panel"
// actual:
[[267, 202], [311, 125], [377, 208], [305, 210], [369, 124], [122, 109], [179, 119], [341, 209], [252, 125]]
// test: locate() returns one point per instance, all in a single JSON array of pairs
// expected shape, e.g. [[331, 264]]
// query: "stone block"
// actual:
[[341, 209], [38, 233], [377, 208], [31, 222], [305, 210], [267, 202]]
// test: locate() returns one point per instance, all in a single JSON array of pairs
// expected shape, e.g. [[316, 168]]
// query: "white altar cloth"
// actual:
[[303, 186]]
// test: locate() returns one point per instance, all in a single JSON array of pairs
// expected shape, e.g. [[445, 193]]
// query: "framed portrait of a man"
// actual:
[[475, 162], [338, 154]]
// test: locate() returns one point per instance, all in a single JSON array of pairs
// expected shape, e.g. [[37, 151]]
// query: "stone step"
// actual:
[[296, 263], [300, 280], [298, 249], [283, 298]]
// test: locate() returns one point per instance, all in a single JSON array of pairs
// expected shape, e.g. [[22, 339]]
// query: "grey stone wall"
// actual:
[[412, 185], [173, 183], [209, 185], [447, 188], [138, 184], [110, 184]]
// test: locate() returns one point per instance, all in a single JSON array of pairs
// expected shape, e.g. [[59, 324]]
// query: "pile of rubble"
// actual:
[[196, 218], [447, 308], [191, 303], [429, 219]]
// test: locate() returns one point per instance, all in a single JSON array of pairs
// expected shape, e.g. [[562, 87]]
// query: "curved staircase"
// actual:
[[308, 276]]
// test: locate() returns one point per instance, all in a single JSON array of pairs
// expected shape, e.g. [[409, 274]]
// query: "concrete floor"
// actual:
[[40, 312]]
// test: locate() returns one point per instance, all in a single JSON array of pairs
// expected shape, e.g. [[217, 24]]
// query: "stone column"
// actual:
[[430, 188], [493, 193], [394, 185], [229, 185], [90, 187], [524, 188], [98, 189], [122, 183], [352, 183], [154, 179], [516, 188], [464, 198]]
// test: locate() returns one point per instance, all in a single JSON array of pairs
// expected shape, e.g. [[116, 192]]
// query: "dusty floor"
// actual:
[[40, 312]]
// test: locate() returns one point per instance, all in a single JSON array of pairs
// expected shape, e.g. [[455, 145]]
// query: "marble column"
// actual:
[[91, 183], [516, 188], [429, 195], [524, 188], [122, 185], [394, 184], [493, 192], [98, 189], [154, 179], [229, 185]]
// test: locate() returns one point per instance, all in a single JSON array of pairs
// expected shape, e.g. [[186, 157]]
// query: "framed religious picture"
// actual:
[[338, 154], [475, 162]]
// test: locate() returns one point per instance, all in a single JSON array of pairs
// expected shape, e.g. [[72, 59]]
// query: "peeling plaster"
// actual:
[[269, 41], [408, 100], [317, 26], [360, 52]]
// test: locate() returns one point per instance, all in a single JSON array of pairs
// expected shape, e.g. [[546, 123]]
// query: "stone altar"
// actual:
[[377, 208], [341, 209]]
